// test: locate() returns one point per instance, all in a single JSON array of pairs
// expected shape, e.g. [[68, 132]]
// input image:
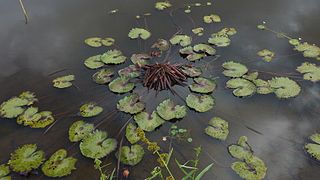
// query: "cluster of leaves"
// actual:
[[103, 176], [63, 81], [180, 134], [314, 148], [310, 71], [197, 52], [222, 38], [212, 18], [266, 55], [98, 42], [218, 128]]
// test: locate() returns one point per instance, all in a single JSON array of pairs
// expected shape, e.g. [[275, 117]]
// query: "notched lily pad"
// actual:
[[162, 5], [102, 76], [140, 59], [161, 44], [113, 57], [121, 85], [94, 62], [263, 87], [251, 76], [79, 129], [4, 172], [314, 148], [234, 69], [131, 155], [148, 122], [90, 109], [31, 117], [212, 18], [200, 103], [266, 55], [219, 40], [98, 42], [168, 110], [129, 72], [309, 51], [131, 133], [198, 31], [181, 39], [310, 71], [63, 81], [188, 53], [242, 150], [202, 85], [250, 169], [284, 87], [242, 87], [218, 128], [191, 71], [205, 48], [139, 32], [131, 104]]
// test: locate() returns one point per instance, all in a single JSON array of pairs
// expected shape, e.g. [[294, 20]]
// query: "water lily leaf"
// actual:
[[252, 168], [314, 148], [220, 41], [266, 54], [294, 42], [90, 109], [309, 51], [251, 76], [63, 81], [107, 41], [97, 145], [148, 122], [94, 62], [310, 71], [79, 130], [59, 165], [218, 128], [162, 5], [202, 85], [102, 76], [263, 87], [188, 53], [131, 104], [29, 96], [191, 71], [200, 103], [242, 87], [131, 155], [140, 59], [241, 150], [93, 41], [234, 69], [227, 32], [204, 48], [198, 31], [212, 18], [131, 133], [26, 158], [181, 39], [284, 87], [161, 44], [129, 72], [139, 32], [121, 85], [4, 172], [168, 110], [31, 117], [113, 57]]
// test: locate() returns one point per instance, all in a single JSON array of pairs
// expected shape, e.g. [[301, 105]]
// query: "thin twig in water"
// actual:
[[24, 11]]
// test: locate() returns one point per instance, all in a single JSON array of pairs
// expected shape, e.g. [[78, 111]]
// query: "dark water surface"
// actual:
[[53, 40]]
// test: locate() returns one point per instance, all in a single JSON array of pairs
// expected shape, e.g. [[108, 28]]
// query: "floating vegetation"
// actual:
[[234, 69], [98, 42], [310, 71], [4, 172], [221, 38], [131, 104], [168, 110], [179, 134], [94, 62], [218, 128], [284, 87], [59, 165], [266, 55], [31, 117], [181, 39], [139, 33], [263, 87], [314, 148], [242, 87], [140, 59], [188, 53], [191, 71], [161, 44], [99, 166], [113, 57], [202, 85], [212, 18], [131, 133], [63, 81], [102, 76], [79, 130], [204, 48], [121, 85], [130, 155], [148, 122], [198, 31], [90, 109], [129, 72], [200, 103], [162, 5]]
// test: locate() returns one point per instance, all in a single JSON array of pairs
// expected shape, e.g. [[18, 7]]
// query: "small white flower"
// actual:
[[164, 138]]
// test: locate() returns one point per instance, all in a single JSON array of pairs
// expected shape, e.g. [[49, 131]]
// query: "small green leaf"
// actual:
[[168, 110], [266, 54], [102, 76], [121, 85], [234, 69], [202, 85], [294, 42], [161, 44], [94, 62], [131, 104], [220, 41], [140, 59], [162, 5], [129, 72], [63, 81], [113, 57], [199, 176], [314, 148], [181, 39], [198, 31], [31, 117], [284, 87], [262, 27], [310, 71], [79, 130], [4, 172], [139, 32], [148, 122], [204, 48], [93, 41], [212, 18], [131, 133], [200, 103], [309, 51], [90, 109], [263, 87], [242, 87], [218, 128], [191, 71], [131, 155]]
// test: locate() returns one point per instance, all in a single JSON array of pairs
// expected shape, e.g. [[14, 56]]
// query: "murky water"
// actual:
[[53, 40]]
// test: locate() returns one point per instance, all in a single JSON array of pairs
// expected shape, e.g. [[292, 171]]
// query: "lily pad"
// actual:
[[131, 133], [113, 57], [162, 5], [59, 165], [26, 158], [121, 85], [266, 54], [79, 130], [90, 109], [94, 62], [219, 40], [139, 32], [181, 39], [212, 18], [204, 48], [31, 117], [161, 44], [241, 150], [131, 155], [294, 42], [188, 53], [4, 172], [263, 87], [93, 42], [227, 31], [234, 69], [63, 81], [107, 41], [242, 87], [218, 128], [131, 104], [284, 87], [200, 103], [148, 122], [191, 71], [202, 85], [198, 31], [309, 51], [129, 72], [251, 76], [168, 110], [314, 148], [102, 76], [140, 59], [252, 168], [310, 71], [97, 145]]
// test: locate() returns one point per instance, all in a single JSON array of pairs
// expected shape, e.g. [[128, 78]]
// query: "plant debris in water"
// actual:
[[63, 81], [130, 155], [129, 72], [191, 71], [168, 110], [140, 59], [314, 148], [90, 109], [79, 130], [218, 128]]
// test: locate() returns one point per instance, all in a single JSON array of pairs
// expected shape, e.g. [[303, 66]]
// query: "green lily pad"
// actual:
[[121, 85], [93, 42], [263, 87], [218, 128], [310, 71], [131, 155], [241, 150], [140, 59], [4, 172], [29, 96], [107, 41], [131, 104], [162, 5], [168, 110], [139, 32], [202, 85], [284, 87], [188, 53], [234, 69], [204, 48], [97, 145], [227, 32], [181, 39], [94, 62], [31, 117], [161, 44], [266, 55], [102, 76], [113, 57], [252, 168], [129, 72], [251, 76], [131, 133], [212, 18], [191, 71], [294, 42], [59, 165], [309, 51], [148, 122], [63, 81], [242, 87], [220, 41], [314, 148], [79, 130], [198, 31], [26, 158], [200, 103], [90, 109]]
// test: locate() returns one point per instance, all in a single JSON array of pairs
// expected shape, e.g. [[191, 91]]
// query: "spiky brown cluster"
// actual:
[[162, 76]]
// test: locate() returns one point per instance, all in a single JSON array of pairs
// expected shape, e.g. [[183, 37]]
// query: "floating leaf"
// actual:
[[266, 54], [181, 39], [211, 18], [314, 148], [220, 41], [251, 76], [131, 104], [294, 42], [148, 122], [168, 110], [242, 87], [4, 172], [26, 158], [102, 76], [29, 96], [94, 62], [310, 71], [131, 133], [241, 150], [190, 54], [204, 48], [113, 57], [90, 109], [131, 155], [139, 32], [309, 51], [129, 72], [93, 41], [63, 81], [234, 69], [59, 165], [162, 5], [198, 31], [161, 44], [227, 32], [107, 41], [218, 128], [202, 85], [262, 27], [121, 85], [200, 103], [191, 71], [252, 168], [284, 87], [263, 87], [31, 117], [96, 145], [78, 130], [140, 59]]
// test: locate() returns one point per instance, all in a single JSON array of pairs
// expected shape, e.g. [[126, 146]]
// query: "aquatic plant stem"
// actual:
[[24, 12], [165, 164], [118, 163], [122, 128]]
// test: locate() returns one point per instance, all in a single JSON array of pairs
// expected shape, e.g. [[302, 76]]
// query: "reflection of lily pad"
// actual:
[[266, 54], [121, 85], [252, 168], [198, 31], [314, 148], [97, 145], [140, 59], [102, 76], [284, 87], [181, 39], [31, 117], [234, 69], [90, 109], [191, 71], [26, 158], [161, 44], [310, 71], [148, 122], [59, 165], [242, 87], [202, 85], [78, 130], [204, 48], [94, 62], [131, 133], [4, 172], [63, 81], [211, 18], [200, 103], [169, 110], [131, 104], [220, 41], [131, 155], [218, 128], [131, 71], [139, 32], [263, 87], [162, 5], [113, 57]]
